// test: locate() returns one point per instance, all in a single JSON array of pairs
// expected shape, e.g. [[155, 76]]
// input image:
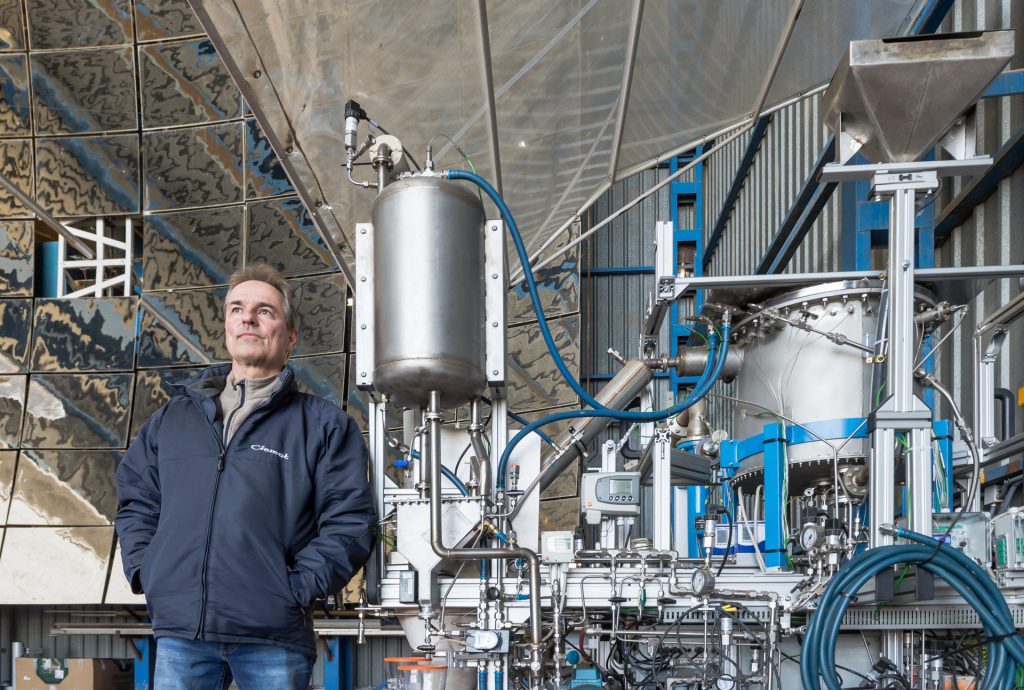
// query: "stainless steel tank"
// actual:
[[428, 263], [806, 376]]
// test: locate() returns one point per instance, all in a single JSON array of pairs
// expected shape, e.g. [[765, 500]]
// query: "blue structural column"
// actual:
[[145, 662], [687, 242], [774, 500], [338, 666]]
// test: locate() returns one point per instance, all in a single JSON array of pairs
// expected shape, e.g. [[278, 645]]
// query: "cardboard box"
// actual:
[[73, 674]]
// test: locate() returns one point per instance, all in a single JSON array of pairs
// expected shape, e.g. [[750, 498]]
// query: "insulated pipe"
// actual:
[[691, 361], [617, 394], [1008, 400], [437, 541]]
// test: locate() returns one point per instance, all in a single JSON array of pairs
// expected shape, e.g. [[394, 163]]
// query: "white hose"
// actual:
[[742, 511]]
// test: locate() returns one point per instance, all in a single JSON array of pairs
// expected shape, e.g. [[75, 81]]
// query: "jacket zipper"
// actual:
[[213, 503], [213, 500]]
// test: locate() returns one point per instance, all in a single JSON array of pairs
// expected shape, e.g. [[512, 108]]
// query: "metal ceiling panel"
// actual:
[[8, 461], [17, 258], [12, 409], [558, 71], [77, 411], [118, 591]]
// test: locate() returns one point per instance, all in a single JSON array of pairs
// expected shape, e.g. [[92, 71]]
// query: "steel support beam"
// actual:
[[1006, 161], [753, 146], [487, 74], [797, 219], [780, 50], [627, 82]]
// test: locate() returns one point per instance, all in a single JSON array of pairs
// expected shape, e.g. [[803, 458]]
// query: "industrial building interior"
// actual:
[[684, 335]]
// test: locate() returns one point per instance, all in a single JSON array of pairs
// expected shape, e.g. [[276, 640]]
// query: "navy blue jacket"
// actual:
[[233, 544]]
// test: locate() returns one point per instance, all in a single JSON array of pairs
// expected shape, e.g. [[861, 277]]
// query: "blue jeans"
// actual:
[[196, 665]]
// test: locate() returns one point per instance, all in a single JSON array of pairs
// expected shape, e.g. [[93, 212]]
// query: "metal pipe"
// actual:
[[433, 416], [627, 82], [476, 428], [616, 395]]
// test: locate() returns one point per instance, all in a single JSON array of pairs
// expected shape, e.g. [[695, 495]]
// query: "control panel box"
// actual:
[[971, 534], [1008, 538], [610, 494]]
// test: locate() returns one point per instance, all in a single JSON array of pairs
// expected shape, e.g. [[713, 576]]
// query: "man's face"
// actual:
[[255, 328]]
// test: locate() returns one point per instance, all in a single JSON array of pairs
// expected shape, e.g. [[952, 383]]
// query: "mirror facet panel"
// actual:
[[8, 460], [191, 248], [77, 411], [118, 589], [65, 487], [16, 165], [55, 565], [12, 409], [86, 334], [185, 83], [320, 306], [15, 109], [159, 19], [88, 176], [12, 26], [282, 234], [15, 326], [154, 387], [264, 174], [323, 376], [17, 258], [186, 168], [533, 381], [83, 91], [77, 24], [180, 328]]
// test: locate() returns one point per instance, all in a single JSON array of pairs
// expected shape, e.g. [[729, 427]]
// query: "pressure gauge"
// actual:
[[811, 536], [702, 582]]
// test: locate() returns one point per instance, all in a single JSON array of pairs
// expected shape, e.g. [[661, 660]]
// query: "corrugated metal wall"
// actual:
[[992, 234], [792, 143]]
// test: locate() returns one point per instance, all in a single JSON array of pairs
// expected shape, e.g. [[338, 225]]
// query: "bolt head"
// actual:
[[362, 279], [494, 372], [494, 323], [494, 275], [362, 327], [363, 374]]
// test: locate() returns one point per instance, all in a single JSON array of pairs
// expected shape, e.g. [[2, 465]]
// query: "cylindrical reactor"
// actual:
[[428, 264], [808, 377]]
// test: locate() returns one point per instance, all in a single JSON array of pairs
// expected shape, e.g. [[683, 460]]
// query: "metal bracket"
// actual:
[[364, 316], [495, 289]]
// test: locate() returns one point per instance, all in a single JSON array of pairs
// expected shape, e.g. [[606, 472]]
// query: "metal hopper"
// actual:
[[892, 99]]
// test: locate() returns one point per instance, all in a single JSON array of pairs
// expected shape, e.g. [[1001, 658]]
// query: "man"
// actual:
[[240, 501]]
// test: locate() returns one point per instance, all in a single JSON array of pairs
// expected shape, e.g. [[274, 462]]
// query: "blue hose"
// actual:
[[708, 378], [961, 573], [702, 388], [450, 476], [447, 474]]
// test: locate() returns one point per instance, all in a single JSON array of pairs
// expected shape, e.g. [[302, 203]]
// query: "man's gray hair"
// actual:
[[265, 273]]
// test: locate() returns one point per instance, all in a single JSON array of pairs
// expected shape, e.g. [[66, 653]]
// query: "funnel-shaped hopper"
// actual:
[[897, 97]]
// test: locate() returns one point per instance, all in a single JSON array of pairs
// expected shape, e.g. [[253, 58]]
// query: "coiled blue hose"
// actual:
[[704, 385], [959, 571]]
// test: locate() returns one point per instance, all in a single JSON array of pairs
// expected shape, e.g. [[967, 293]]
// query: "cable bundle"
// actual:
[[1005, 648]]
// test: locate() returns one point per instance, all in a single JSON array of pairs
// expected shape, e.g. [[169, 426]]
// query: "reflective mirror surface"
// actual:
[[186, 168], [15, 326], [87, 176], [81, 91], [184, 327], [55, 565], [86, 334], [66, 487], [191, 248], [185, 83], [77, 411]]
